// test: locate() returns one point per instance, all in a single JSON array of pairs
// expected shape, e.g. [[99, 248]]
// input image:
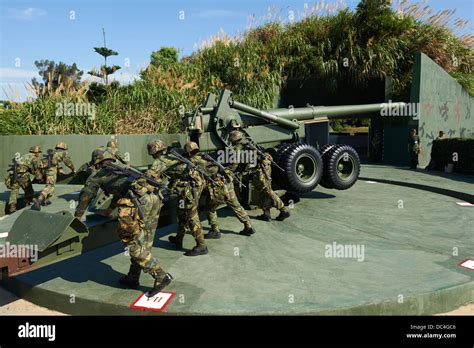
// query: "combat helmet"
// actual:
[[35, 149], [103, 156], [235, 136], [191, 148], [96, 153], [155, 146], [61, 145], [112, 143]]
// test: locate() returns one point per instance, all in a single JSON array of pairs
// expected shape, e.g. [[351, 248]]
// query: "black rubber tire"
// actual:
[[294, 156], [336, 158], [324, 151], [278, 177]]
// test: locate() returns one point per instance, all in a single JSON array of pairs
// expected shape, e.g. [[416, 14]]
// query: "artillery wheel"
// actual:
[[342, 167], [304, 167], [324, 151], [277, 153]]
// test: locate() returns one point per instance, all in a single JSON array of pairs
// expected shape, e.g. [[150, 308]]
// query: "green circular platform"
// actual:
[[413, 240]]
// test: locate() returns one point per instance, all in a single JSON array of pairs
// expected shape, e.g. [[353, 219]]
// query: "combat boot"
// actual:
[[47, 202], [36, 204], [247, 231], [132, 279], [283, 215], [197, 250], [265, 216], [177, 241], [213, 234], [162, 279], [129, 282]]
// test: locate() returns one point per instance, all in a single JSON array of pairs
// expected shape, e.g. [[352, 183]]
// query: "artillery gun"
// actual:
[[283, 132]]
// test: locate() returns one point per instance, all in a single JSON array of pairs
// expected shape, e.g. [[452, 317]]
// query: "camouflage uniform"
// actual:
[[27, 164], [261, 178], [112, 148], [262, 183], [221, 191], [188, 185], [413, 148], [58, 156], [91, 168], [135, 231]]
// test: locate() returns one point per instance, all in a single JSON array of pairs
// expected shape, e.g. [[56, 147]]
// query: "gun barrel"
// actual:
[[265, 115], [310, 112]]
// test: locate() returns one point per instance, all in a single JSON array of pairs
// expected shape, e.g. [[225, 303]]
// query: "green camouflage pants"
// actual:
[[221, 193], [137, 236], [266, 197], [23, 182], [51, 178], [188, 215]]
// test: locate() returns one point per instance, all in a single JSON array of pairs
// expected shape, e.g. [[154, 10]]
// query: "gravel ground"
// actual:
[[12, 305]]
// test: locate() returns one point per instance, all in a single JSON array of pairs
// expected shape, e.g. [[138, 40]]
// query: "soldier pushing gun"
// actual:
[[138, 211]]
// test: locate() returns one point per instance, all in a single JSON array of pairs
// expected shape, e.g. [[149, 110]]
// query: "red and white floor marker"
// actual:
[[469, 264], [465, 204], [156, 303]]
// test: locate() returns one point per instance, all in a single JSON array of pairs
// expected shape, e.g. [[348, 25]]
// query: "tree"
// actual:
[[53, 75], [375, 20], [164, 57], [105, 70]]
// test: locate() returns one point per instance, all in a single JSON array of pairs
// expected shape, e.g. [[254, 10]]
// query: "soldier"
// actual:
[[27, 164], [52, 170], [138, 213], [413, 148], [221, 190], [112, 147], [440, 135], [261, 180], [91, 169], [188, 184]]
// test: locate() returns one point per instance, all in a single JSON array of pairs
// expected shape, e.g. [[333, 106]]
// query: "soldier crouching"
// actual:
[[138, 213]]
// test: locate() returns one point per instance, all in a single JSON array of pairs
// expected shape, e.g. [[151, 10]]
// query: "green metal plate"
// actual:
[[40, 228]]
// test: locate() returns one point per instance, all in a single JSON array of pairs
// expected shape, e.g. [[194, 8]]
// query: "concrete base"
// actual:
[[412, 243]]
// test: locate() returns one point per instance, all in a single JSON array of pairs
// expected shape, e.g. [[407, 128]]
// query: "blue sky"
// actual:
[[67, 30]]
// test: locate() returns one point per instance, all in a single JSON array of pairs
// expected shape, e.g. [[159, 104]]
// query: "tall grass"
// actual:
[[325, 41]]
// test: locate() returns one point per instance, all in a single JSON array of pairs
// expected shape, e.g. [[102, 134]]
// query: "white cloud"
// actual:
[[26, 13], [212, 14], [12, 73]]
